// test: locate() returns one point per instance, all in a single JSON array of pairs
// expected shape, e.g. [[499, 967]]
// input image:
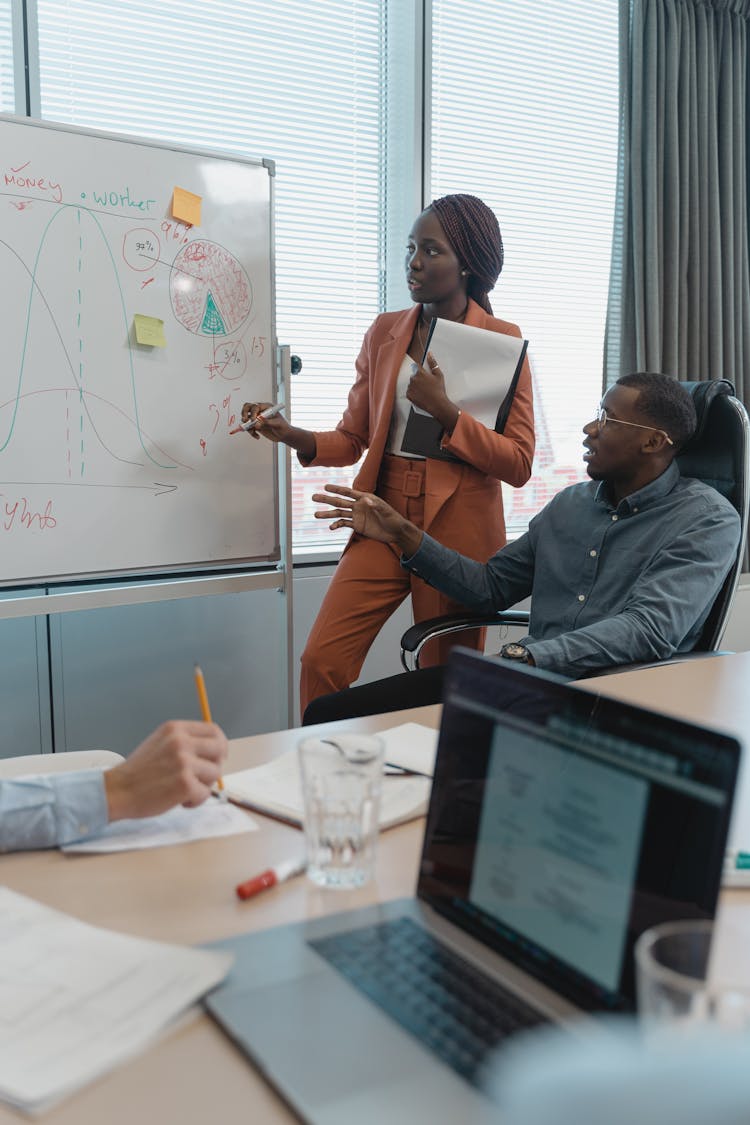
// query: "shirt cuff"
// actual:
[[80, 804], [427, 555]]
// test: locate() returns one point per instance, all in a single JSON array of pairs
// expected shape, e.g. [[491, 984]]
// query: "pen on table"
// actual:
[[269, 412], [392, 769], [200, 687], [278, 874]]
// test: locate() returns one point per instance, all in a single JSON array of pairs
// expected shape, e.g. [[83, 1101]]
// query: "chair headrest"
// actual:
[[703, 394]]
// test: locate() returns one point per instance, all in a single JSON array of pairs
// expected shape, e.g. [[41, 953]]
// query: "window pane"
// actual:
[[7, 92], [295, 81], [524, 114]]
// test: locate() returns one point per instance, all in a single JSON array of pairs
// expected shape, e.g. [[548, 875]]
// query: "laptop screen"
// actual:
[[563, 824]]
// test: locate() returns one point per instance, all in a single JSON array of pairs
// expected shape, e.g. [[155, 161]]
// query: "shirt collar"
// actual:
[[645, 496]]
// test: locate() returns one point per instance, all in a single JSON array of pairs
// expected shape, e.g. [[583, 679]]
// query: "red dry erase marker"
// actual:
[[270, 878]]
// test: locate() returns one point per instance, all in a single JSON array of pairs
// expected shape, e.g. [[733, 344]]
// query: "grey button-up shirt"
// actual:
[[42, 812], [610, 584]]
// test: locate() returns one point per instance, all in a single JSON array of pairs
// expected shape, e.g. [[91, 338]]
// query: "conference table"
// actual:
[[186, 894]]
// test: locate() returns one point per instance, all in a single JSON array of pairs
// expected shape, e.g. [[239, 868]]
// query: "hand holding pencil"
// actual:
[[176, 765]]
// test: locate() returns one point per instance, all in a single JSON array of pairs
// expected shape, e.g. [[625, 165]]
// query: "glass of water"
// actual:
[[675, 986], [341, 785]]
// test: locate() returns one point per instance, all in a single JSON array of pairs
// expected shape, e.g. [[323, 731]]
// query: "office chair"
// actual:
[[29, 764], [716, 454]]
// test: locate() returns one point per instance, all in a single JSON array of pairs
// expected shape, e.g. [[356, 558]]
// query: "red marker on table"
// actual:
[[278, 874], [270, 412]]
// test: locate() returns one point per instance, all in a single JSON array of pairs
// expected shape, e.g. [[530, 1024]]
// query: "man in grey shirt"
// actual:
[[177, 764], [621, 569]]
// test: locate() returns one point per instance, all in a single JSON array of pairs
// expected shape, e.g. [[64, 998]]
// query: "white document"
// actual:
[[557, 850], [177, 826], [76, 1000], [478, 366], [275, 787], [736, 871]]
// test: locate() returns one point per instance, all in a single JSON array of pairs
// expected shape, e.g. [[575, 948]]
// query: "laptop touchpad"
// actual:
[[304, 1060]]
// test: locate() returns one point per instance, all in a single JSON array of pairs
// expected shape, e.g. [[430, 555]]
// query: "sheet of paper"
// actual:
[[186, 206], [478, 366], [178, 826], [149, 330], [76, 1000]]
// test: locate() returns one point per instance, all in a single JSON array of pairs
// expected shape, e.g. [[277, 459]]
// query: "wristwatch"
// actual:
[[515, 651]]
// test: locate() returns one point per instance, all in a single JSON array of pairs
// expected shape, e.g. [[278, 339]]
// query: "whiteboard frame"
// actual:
[[281, 510]]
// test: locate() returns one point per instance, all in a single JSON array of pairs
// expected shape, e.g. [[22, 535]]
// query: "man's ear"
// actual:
[[656, 443]]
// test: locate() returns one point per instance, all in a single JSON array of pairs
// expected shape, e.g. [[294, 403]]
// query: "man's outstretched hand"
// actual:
[[367, 515]]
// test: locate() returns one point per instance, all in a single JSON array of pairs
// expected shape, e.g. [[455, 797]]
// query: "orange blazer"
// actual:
[[463, 501]]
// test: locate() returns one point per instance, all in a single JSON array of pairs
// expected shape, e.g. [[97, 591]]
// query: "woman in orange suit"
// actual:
[[453, 259]]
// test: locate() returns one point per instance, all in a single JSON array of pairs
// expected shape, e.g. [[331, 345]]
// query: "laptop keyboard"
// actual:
[[453, 1009]]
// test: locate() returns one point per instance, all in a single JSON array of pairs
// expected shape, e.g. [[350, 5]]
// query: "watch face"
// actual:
[[514, 651]]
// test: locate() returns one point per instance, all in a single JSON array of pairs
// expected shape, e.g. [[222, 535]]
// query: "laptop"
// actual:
[[561, 825]]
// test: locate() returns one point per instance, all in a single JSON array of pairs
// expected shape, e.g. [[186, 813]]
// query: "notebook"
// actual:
[[561, 825], [275, 788]]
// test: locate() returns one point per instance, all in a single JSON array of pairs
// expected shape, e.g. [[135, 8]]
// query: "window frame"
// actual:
[[406, 154]]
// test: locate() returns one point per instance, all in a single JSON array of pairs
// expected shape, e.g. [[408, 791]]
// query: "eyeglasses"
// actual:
[[602, 418]]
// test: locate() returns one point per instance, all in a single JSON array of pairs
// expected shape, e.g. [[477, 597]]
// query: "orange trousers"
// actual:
[[368, 584]]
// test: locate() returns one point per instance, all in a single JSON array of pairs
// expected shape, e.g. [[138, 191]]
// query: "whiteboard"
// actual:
[[116, 456]]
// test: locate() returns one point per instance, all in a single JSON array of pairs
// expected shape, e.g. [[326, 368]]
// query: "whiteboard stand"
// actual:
[[286, 562]]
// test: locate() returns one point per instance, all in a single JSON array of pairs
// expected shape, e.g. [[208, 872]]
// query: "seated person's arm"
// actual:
[[665, 604], [506, 579], [177, 764]]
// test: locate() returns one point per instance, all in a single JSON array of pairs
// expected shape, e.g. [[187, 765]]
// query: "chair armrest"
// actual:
[[417, 636]]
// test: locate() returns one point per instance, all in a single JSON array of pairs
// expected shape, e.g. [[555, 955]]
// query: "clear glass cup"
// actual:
[[674, 985], [342, 777]]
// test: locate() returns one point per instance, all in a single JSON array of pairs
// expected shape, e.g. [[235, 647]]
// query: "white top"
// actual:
[[401, 409]]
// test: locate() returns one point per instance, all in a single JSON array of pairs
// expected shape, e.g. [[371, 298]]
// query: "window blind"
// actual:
[[291, 80], [523, 113], [7, 92]]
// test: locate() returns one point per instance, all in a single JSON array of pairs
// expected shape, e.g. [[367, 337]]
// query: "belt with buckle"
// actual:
[[409, 482]]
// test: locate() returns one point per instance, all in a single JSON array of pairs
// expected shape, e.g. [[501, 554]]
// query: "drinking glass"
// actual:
[[674, 984], [341, 786]]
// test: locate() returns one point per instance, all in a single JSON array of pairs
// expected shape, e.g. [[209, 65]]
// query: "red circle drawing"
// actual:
[[141, 249], [230, 359], [210, 292]]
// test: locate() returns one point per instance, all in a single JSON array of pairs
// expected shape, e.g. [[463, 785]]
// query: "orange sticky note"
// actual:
[[186, 207]]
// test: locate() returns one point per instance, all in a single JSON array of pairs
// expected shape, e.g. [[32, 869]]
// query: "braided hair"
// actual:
[[474, 234]]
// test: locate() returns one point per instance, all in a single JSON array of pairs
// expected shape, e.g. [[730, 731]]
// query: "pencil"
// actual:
[[200, 687]]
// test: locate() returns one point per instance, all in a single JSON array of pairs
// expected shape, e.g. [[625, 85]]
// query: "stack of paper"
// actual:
[[76, 1000], [275, 787]]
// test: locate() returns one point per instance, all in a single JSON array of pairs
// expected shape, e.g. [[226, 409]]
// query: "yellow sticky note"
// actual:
[[149, 330], [186, 207]]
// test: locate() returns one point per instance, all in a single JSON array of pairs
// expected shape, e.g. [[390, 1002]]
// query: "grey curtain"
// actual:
[[679, 297]]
